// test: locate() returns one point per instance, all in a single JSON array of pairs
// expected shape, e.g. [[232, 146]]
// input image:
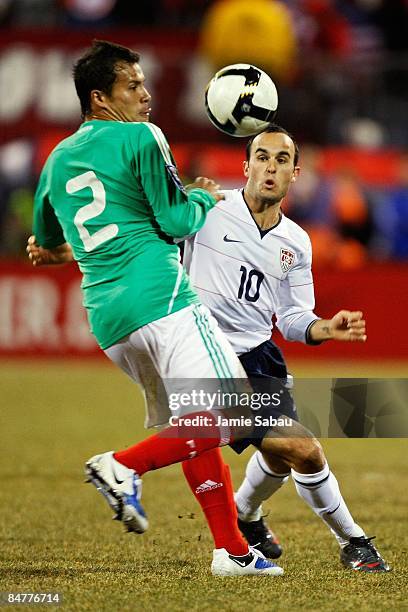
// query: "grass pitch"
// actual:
[[56, 533]]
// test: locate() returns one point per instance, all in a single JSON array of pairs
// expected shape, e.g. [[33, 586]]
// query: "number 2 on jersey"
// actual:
[[89, 211], [246, 284]]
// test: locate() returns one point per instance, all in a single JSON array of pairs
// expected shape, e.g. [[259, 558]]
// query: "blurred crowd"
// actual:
[[102, 13], [350, 222], [341, 67]]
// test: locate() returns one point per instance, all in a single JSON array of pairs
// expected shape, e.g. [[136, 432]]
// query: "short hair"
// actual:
[[96, 69], [274, 129]]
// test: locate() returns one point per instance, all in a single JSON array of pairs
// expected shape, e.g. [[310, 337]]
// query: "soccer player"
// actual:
[[109, 196], [248, 263]]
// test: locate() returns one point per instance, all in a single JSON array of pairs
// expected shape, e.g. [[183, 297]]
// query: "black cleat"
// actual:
[[261, 538], [362, 556]]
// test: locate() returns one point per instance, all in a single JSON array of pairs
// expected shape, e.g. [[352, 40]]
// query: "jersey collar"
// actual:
[[278, 229]]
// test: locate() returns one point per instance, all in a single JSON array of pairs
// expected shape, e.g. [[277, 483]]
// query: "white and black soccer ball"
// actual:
[[241, 100]]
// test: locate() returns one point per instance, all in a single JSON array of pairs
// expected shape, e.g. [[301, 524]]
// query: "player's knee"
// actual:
[[275, 464], [308, 456], [302, 453]]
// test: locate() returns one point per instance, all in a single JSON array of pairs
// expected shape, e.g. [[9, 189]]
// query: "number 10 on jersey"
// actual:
[[250, 284]]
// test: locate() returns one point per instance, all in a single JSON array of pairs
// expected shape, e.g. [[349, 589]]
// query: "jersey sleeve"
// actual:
[[296, 301], [177, 212], [46, 226]]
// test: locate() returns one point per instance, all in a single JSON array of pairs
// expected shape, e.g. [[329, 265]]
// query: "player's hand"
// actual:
[[209, 185], [348, 326], [43, 257]]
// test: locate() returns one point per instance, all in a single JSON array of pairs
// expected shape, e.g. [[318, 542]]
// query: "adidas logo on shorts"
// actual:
[[208, 485]]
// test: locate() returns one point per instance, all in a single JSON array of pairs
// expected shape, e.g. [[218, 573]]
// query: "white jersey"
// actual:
[[245, 276]]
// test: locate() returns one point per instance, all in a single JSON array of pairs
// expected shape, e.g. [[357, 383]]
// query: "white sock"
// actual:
[[258, 485], [321, 492]]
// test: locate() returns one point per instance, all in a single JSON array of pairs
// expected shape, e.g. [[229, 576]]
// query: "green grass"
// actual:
[[56, 533]]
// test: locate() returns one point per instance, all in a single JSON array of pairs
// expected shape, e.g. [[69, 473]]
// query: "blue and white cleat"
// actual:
[[252, 564], [121, 487]]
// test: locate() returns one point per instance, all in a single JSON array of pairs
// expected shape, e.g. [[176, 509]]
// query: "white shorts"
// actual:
[[187, 344]]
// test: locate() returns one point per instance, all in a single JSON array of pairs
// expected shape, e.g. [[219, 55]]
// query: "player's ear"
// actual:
[[296, 172], [245, 167], [98, 99]]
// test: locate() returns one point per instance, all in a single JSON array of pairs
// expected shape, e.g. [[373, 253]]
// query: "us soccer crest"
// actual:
[[287, 259]]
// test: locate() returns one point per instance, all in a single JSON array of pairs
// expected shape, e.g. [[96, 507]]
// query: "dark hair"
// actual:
[[275, 129], [96, 69]]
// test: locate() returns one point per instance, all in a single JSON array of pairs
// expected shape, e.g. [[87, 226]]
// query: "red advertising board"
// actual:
[[41, 312], [380, 291]]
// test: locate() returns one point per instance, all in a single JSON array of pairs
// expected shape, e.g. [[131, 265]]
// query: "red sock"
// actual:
[[210, 481], [171, 445]]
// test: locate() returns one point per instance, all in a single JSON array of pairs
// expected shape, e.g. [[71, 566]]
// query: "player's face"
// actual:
[[270, 169], [129, 99]]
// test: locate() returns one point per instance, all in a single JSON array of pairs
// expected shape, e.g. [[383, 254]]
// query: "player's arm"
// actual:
[[346, 326], [178, 211], [296, 318], [295, 300], [47, 245]]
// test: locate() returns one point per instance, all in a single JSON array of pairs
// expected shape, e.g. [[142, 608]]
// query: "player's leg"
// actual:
[[264, 365], [211, 486], [210, 356], [185, 349], [260, 483], [163, 449], [318, 487], [297, 451], [117, 475]]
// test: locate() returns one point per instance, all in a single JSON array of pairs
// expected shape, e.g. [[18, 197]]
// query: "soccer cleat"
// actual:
[[224, 564], [362, 556], [121, 488], [261, 538]]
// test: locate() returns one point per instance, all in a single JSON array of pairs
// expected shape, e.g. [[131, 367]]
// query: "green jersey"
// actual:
[[111, 190]]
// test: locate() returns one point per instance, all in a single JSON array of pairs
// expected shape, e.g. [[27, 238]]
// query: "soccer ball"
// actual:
[[241, 100]]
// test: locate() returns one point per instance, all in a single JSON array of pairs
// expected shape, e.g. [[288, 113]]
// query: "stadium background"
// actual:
[[341, 68]]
